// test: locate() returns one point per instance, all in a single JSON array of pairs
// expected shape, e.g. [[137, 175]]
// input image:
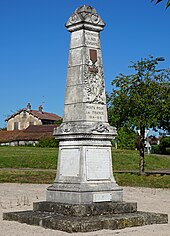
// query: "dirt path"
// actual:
[[16, 197]]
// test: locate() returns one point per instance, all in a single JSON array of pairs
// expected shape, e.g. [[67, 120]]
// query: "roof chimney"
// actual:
[[28, 107], [40, 108]]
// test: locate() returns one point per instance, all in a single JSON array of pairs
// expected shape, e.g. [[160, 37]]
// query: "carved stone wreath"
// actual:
[[100, 127]]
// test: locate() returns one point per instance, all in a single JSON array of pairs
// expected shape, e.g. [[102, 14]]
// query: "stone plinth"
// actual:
[[86, 217]]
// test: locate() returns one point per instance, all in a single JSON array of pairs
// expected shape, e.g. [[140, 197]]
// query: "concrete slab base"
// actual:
[[86, 218]]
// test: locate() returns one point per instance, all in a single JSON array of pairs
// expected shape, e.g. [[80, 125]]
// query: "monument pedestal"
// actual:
[[85, 196], [84, 173]]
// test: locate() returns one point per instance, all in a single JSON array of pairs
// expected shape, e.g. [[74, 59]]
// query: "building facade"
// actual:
[[27, 117]]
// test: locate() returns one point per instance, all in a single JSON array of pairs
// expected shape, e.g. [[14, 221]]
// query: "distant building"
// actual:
[[26, 117], [31, 135]]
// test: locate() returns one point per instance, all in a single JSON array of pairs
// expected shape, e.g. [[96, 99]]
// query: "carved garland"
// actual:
[[93, 80]]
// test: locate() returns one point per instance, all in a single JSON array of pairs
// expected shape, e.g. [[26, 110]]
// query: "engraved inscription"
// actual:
[[102, 197], [98, 164], [95, 112], [69, 165], [91, 39]]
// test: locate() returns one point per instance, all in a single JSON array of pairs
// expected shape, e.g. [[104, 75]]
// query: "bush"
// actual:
[[48, 142], [164, 144], [125, 138], [156, 149], [163, 147]]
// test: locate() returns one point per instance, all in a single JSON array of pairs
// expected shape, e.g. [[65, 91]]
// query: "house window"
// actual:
[[24, 115], [15, 125]]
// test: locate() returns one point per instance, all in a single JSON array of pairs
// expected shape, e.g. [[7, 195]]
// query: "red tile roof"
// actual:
[[41, 115], [45, 115], [41, 128], [32, 133], [8, 136]]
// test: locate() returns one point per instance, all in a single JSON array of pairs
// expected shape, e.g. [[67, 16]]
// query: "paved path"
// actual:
[[148, 172]]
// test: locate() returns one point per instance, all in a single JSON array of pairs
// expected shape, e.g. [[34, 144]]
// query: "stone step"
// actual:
[[100, 208], [86, 224]]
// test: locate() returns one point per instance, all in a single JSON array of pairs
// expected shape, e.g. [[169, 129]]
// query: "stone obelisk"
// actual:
[[84, 172], [85, 196]]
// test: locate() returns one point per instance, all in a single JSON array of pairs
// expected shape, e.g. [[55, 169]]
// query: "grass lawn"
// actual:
[[19, 176], [129, 160], [28, 157], [149, 181], [46, 158]]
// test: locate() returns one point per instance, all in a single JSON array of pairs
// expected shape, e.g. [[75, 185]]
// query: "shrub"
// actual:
[[164, 144], [48, 142], [163, 147], [125, 138], [156, 149]]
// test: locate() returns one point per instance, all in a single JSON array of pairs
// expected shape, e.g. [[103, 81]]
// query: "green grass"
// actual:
[[149, 181], [129, 160], [46, 158], [35, 177], [28, 157]]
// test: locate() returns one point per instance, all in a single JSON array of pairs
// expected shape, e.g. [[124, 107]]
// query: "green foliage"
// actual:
[[156, 149], [158, 1], [58, 122], [164, 144], [125, 138], [48, 142], [162, 148], [4, 128], [141, 99]]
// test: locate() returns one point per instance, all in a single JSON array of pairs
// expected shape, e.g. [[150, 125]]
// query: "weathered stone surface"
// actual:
[[94, 209], [87, 223]]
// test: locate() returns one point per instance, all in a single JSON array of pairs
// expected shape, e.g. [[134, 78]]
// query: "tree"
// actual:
[[158, 1], [140, 100], [125, 138]]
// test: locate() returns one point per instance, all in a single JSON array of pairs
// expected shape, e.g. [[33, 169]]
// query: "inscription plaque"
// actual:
[[69, 165], [102, 197], [98, 164]]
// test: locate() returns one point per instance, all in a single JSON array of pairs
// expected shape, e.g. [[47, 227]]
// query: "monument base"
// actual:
[[83, 197], [84, 173], [86, 217]]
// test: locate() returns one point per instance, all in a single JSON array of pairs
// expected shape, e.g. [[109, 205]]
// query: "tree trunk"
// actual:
[[141, 151]]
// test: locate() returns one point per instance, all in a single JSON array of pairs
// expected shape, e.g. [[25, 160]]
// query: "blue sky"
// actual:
[[34, 46]]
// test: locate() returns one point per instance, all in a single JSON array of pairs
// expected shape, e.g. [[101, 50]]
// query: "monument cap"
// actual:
[[85, 17]]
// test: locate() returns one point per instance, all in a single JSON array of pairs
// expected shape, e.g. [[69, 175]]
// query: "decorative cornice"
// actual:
[[76, 131], [85, 17]]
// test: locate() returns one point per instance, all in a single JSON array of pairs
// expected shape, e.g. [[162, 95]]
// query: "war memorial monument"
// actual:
[[85, 196]]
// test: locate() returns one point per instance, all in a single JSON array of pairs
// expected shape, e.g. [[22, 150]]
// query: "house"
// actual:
[[31, 135], [26, 117]]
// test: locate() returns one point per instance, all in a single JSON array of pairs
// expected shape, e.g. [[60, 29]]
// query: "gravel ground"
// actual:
[[18, 197]]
